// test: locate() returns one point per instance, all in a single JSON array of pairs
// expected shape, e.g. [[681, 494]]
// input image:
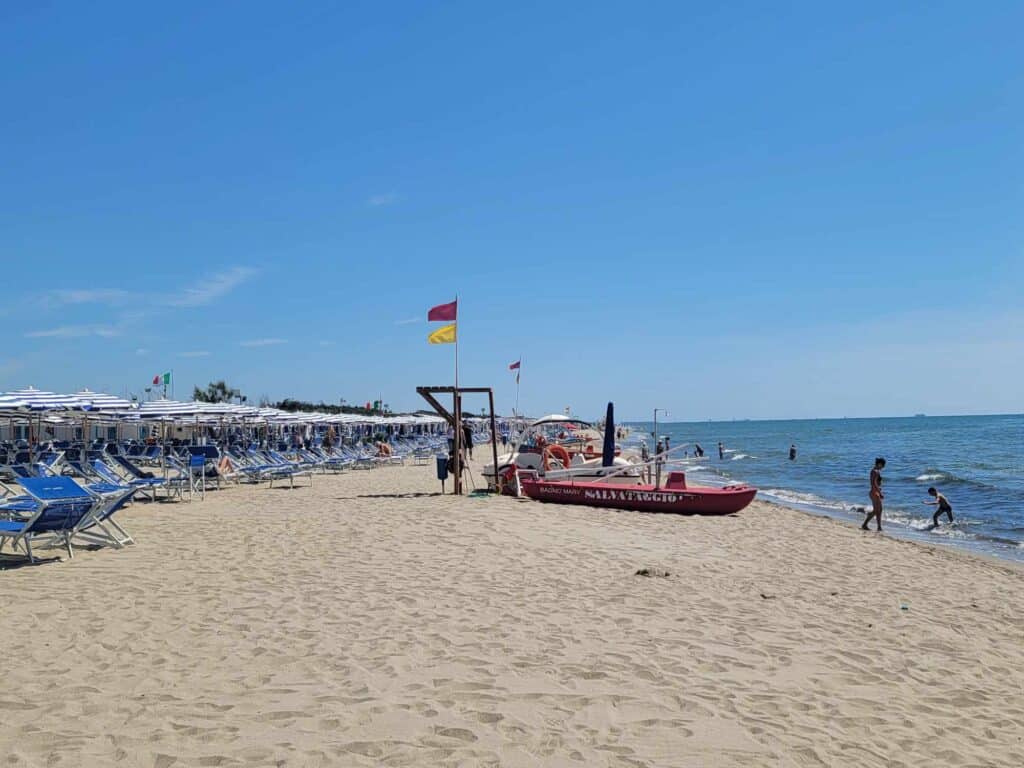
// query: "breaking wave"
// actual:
[[931, 475]]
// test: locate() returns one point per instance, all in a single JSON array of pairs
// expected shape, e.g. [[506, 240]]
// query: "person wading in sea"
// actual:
[[944, 507], [876, 495]]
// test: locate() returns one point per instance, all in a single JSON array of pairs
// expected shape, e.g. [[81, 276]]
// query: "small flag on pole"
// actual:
[[444, 312], [164, 379], [446, 334], [515, 366]]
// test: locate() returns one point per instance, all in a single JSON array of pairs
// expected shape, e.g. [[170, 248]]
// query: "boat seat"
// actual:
[[676, 481]]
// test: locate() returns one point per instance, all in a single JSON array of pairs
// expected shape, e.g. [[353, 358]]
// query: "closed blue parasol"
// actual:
[[608, 452]]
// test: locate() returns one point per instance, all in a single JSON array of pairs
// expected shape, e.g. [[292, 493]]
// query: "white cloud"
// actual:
[[263, 342], [198, 353], [211, 288], [386, 198], [88, 296], [407, 321], [75, 332]]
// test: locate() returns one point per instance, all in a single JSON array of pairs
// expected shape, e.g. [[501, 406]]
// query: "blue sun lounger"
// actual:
[[108, 475], [61, 505]]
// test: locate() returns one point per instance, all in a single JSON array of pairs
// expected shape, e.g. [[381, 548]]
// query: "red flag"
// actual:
[[156, 379], [444, 312], [515, 365]]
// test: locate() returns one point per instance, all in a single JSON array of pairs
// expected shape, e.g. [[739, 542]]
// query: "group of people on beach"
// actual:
[[938, 500]]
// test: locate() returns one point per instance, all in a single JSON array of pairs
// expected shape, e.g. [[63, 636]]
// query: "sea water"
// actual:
[[976, 461]]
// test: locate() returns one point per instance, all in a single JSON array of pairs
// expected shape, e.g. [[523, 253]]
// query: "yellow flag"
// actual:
[[443, 335]]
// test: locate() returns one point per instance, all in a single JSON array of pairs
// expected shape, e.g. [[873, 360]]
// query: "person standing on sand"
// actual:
[[876, 495], [944, 507]]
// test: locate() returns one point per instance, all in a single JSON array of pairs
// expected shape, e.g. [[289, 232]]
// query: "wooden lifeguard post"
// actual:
[[454, 418]]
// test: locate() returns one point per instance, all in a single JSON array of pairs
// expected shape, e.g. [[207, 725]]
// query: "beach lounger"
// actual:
[[61, 504], [284, 469], [98, 525], [140, 484]]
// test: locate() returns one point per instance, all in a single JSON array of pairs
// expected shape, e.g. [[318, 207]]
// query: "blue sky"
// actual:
[[727, 210]]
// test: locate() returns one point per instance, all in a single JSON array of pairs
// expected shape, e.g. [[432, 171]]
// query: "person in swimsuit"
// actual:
[[876, 495], [721, 450], [792, 452], [944, 507]]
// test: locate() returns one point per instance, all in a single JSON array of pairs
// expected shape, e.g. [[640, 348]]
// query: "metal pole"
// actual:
[[494, 443], [457, 444], [458, 410], [657, 453], [519, 371]]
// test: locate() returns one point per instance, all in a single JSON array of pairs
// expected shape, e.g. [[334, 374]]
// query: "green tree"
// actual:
[[216, 392]]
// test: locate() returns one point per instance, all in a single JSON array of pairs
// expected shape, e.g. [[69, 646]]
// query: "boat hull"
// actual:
[[642, 498]]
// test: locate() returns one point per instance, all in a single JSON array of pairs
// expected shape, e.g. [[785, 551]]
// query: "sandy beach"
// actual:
[[367, 621]]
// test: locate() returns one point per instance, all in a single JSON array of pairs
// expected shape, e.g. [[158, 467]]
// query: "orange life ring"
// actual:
[[558, 452]]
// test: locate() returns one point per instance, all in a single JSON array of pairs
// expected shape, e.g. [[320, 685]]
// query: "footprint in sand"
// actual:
[[462, 734]]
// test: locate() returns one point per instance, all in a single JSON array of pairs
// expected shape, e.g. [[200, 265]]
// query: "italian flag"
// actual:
[[164, 379]]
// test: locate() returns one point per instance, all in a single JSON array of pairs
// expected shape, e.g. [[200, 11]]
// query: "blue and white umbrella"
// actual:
[[38, 400], [168, 410], [99, 402], [10, 404]]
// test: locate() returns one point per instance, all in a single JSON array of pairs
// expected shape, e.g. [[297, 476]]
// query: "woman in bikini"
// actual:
[[876, 495]]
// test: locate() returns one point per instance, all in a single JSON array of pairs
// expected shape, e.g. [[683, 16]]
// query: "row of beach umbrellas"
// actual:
[[95, 406]]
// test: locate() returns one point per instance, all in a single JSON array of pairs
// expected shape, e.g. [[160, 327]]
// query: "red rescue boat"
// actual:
[[674, 496]]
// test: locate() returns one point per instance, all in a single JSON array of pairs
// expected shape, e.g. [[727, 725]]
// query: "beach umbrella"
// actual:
[[11, 404], [40, 402], [608, 452], [102, 403], [37, 400], [105, 408], [167, 410]]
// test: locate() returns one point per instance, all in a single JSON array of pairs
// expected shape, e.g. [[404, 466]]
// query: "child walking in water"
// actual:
[[944, 507], [876, 496]]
